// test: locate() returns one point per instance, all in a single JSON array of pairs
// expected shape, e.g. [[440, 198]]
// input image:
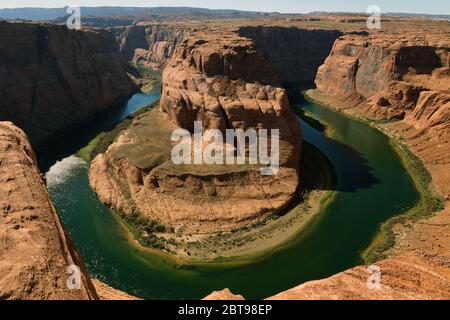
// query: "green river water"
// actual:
[[372, 186]]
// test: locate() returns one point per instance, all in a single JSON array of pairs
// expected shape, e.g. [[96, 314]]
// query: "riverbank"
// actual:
[[429, 203], [147, 79], [148, 82], [103, 140]]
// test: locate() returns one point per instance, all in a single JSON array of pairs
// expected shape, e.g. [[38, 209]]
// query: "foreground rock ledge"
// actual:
[[35, 250], [414, 276]]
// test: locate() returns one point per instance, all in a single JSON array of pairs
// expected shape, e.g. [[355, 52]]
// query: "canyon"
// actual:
[[380, 76], [375, 78], [54, 80], [229, 78]]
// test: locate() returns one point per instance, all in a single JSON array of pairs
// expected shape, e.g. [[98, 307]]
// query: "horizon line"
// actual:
[[241, 10]]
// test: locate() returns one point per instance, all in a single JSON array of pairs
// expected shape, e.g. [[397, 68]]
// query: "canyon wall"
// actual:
[[403, 77], [386, 74], [53, 79], [35, 249], [399, 76], [417, 275], [150, 45], [295, 54], [220, 79]]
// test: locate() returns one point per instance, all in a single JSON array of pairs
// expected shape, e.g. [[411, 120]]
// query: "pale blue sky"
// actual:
[[293, 6]]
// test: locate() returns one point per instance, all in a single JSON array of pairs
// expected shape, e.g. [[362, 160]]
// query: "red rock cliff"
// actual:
[[150, 45], [222, 80], [35, 250], [53, 79], [387, 74]]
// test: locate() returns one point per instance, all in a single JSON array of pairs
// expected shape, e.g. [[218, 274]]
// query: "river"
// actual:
[[372, 186]]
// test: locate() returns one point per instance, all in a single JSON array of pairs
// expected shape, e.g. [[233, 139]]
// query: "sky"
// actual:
[[285, 6]]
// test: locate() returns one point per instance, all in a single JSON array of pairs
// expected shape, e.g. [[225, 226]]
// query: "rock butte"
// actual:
[[225, 83], [410, 64]]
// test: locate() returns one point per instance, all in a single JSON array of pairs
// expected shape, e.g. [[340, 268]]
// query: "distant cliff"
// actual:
[[151, 45], [53, 79], [295, 54]]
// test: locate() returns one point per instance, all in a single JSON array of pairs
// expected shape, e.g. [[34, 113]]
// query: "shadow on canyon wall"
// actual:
[[351, 167]]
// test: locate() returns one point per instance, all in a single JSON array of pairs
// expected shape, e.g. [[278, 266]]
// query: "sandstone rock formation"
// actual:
[[150, 45], [385, 74], [35, 250], [53, 79], [414, 276], [401, 76], [224, 82], [225, 294], [432, 109]]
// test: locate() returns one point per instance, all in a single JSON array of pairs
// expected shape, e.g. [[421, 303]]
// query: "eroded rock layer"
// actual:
[[414, 276], [150, 45], [224, 82], [405, 77], [53, 79], [35, 250], [386, 74]]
